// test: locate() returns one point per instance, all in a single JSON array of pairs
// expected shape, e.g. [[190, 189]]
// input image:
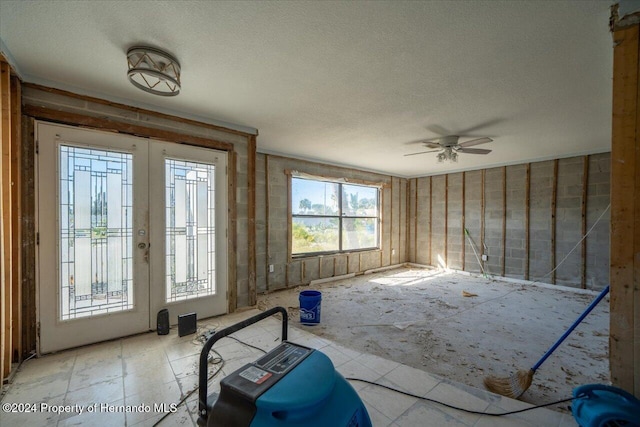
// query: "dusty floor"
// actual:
[[420, 318]]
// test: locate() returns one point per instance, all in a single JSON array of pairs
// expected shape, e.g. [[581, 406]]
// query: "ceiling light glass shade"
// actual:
[[448, 154], [153, 71]]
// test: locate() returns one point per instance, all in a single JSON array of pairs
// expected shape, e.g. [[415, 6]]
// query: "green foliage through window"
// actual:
[[332, 217]]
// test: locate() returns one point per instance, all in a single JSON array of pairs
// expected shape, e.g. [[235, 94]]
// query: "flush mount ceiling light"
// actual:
[[153, 71]]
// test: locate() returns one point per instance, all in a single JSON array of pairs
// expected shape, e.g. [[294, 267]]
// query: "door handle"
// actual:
[[142, 245]]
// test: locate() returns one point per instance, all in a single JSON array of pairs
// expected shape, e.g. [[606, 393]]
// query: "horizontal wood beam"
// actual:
[[75, 119]]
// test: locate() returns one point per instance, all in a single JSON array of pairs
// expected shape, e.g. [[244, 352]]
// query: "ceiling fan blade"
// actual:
[[473, 150], [477, 141], [421, 152], [430, 144], [438, 130], [480, 126], [424, 141]]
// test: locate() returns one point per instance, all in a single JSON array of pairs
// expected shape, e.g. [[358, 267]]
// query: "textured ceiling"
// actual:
[[348, 83]]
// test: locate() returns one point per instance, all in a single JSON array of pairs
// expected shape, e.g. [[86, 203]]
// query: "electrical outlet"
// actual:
[[393, 251], [271, 269], [485, 257]]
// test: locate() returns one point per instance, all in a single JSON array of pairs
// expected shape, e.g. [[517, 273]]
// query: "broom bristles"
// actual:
[[512, 386]]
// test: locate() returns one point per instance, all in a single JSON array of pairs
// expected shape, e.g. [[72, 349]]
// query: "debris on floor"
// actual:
[[417, 317]]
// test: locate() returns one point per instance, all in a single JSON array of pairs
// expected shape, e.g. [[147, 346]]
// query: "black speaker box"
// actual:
[[163, 322], [187, 324]]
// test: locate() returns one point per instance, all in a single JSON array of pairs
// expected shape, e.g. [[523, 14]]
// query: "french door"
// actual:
[[127, 226]]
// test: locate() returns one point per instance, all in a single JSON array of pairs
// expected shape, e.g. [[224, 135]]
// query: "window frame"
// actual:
[[340, 215]]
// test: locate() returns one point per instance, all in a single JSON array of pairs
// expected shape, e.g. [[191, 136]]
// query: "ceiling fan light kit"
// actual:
[[153, 70]]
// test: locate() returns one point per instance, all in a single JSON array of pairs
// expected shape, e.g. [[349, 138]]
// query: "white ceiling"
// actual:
[[350, 83]]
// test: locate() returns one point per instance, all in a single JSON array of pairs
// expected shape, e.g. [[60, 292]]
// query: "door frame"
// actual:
[[78, 121]]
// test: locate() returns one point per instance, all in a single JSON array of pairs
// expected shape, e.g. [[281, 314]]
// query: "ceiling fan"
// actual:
[[449, 147]]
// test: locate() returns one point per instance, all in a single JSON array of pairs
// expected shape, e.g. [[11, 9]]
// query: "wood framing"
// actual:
[[27, 183], [504, 220], [80, 120], [415, 222], [583, 252], [527, 215], [462, 223], [251, 217], [268, 223], [482, 214], [232, 239], [446, 220], [6, 271], [624, 340], [136, 109], [554, 203], [430, 219], [16, 218]]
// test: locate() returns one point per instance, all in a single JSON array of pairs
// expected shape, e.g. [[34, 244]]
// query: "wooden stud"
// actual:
[[231, 235], [415, 221], [251, 217], [136, 109], [16, 213], [6, 273], [624, 344], [268, 223], [585, 187], [446, 220], [430, 219], [504, 220], [554, 202], [527, 215], [462, 222], [74, 119], [391, 226], [27, 182], [407, 218], [482, 212]]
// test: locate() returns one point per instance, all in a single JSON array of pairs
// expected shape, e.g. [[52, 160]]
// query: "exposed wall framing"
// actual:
[[624, 341], [509, 212], [11, 343]]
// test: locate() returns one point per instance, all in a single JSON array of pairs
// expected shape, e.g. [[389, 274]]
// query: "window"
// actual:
[[333, 217]]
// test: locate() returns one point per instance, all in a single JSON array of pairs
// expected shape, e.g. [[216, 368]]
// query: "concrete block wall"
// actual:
[[438, 222], [494, 221], [454, 221], [569, 220], [541, 195], [598, 199], [500, 229], [272, 229], [473, 199]]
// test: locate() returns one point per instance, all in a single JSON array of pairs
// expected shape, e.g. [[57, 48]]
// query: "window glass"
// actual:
[[329, 217]]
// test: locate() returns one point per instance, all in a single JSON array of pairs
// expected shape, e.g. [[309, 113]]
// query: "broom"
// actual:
[[519, 382]]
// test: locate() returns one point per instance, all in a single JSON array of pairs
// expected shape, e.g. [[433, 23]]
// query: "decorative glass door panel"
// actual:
[[189, 248], [92, 198], [190, 227], [96, 232]]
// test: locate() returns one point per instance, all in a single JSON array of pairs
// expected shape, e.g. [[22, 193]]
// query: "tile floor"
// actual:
[[146, 370]]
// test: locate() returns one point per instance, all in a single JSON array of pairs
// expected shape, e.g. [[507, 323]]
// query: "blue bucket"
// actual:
[[310, 302]]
